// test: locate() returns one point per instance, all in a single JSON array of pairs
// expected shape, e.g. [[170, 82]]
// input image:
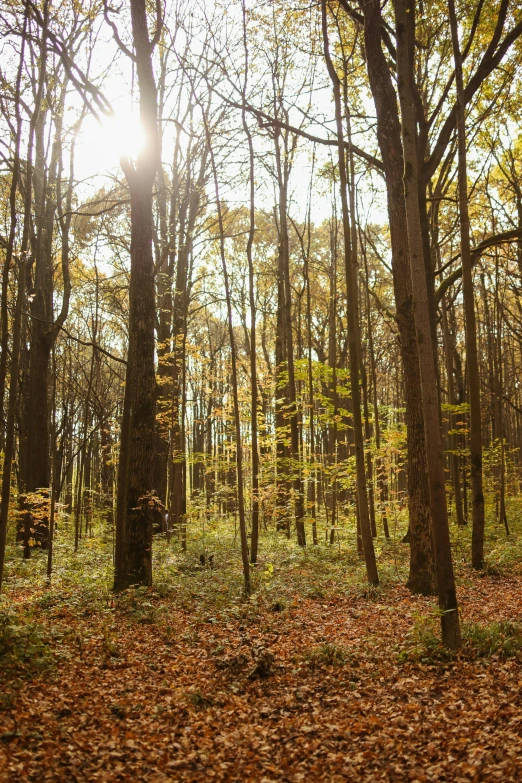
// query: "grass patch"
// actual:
[[422, 643], [328, 654], [502, 640], [499, 640], [199, 701]]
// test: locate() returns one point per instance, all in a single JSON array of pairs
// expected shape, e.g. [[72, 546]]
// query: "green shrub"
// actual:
[[136, 605], [21, 642], [423, 643]]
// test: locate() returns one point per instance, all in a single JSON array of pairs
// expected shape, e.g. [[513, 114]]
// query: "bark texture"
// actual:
[[422, 577], [136, 470]]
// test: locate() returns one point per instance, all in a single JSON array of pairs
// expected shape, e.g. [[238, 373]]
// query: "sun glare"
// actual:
[[100, 146]]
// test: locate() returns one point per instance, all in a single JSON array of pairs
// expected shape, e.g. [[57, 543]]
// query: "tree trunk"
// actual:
[[353, 317], [475, 425], [233, 357], [422, 577], [405, 28], [454, 457], [254, 540], [136, 476]]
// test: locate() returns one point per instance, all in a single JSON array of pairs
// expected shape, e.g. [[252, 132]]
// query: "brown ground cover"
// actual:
[[320, 689]]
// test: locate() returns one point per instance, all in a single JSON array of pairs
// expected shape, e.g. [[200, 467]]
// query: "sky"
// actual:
[[100, 145]]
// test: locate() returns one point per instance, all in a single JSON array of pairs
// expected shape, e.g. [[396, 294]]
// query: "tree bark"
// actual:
[[405, 29], [453, 438], [353, 318], [422, 577], [475, 425], [136, 475], [254, 539]]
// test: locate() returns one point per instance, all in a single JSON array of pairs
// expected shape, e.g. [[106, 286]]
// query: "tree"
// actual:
[[349, 236], [475, 428], [422, 573], [405, 26], [136, 497]]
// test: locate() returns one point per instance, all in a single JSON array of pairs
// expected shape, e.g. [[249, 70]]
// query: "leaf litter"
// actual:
[[330, 687]]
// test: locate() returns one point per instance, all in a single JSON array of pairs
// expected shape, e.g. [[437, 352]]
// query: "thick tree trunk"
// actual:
[[13, 216], [11, 412], [405, 25], [38, 465], [422, 563], [136, 476], [140, 393]]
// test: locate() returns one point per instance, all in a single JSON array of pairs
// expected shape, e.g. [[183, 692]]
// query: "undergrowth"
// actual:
[[329, 654], [23, 644], [500, 640], [207, 582]]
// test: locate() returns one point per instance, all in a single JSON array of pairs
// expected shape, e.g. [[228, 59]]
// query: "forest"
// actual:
[[261, 391]]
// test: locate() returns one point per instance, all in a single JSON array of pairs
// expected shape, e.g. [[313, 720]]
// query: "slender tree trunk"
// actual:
[[379, 468], [454, 457], [293, 413], [233, 357], [189, 209], [164, 346], [369, 461], [353, 319], [312, 483], [332, 362], [283, 513], [499, 386], [251, 293], [54, 473], [475, 425]]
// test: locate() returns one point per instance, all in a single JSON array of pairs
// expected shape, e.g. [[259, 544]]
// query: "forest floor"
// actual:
[[314, 678]]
